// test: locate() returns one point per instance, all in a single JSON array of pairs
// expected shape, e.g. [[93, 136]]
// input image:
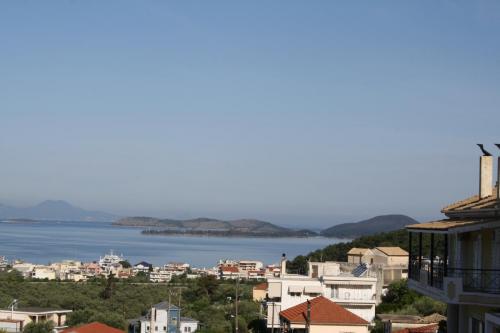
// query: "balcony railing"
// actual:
[[422, 272], [478, 280], [473, 280]]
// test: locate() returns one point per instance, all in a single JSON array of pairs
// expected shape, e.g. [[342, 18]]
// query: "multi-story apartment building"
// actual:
[[462, 264], [353, 290], [163, 318]]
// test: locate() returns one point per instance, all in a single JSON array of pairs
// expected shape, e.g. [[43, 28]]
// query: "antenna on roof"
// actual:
[[485, 152]]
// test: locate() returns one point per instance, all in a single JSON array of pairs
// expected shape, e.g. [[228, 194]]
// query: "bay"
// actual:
[[51, 241]]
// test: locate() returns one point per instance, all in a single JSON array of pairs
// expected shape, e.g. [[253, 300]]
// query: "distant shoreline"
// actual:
[[223, 234]]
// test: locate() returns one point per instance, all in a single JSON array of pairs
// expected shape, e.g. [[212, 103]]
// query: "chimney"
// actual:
[[485, 176], [283, 265]]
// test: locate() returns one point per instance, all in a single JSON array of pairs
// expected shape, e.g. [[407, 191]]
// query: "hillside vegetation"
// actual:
[[377, 224]]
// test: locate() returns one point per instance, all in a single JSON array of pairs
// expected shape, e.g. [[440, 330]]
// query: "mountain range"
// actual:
[[54, 210], [375, 225]]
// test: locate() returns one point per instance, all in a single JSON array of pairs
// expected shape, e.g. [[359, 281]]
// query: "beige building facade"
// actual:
[[462, 265]]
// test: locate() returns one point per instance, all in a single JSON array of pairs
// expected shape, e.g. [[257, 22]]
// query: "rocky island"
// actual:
[[212, 227]]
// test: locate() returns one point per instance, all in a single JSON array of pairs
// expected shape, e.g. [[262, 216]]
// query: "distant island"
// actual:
[[212, 227], [57, 210], [375, 225]]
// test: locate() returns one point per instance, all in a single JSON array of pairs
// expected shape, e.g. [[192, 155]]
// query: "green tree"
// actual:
[[40, 327], [125, 264]]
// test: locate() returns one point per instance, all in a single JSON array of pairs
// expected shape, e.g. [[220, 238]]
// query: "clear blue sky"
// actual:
[[301, 113]]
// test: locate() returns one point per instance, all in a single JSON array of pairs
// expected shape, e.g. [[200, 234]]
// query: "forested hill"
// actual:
[[377, 224], [208, 226]]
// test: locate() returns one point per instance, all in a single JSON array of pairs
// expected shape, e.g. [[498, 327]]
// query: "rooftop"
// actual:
[[392, 250], [38, 310], [260, 286], [92, 328], [422, 329], [447, 224], [323, 311], [358, 251]]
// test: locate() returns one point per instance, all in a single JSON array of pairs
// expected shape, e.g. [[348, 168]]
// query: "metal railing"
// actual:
[[477, 280], [423, 273], [473, 280]]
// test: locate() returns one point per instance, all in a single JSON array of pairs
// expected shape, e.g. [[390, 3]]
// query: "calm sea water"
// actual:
[[53, 241]]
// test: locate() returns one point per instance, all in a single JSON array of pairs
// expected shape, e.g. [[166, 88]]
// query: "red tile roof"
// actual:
[[230, 269], [422, 329], [261, 286], [94, 327], [323, 311]]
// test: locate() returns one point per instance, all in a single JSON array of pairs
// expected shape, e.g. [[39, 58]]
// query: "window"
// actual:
[[156, 328], [335, 291]]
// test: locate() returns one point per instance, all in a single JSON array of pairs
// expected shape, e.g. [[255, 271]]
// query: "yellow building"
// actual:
[[15, 320], [462, 264]]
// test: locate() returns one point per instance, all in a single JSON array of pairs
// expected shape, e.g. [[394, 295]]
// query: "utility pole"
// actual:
[[168, 311], [236, 305], [308, 323], [179, 319]]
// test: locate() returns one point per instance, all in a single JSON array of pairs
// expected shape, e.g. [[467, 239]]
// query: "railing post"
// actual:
[[419, 252], [432, 260], [410, 256], [445, 264]]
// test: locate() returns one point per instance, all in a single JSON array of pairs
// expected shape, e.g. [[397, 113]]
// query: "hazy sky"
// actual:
[[298, 112]]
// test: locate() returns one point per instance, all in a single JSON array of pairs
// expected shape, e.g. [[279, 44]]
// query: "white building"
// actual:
[[355, 291], [163, 318], [110, 260], [3, 263]]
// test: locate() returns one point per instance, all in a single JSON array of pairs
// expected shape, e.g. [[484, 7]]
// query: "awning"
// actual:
[[313, 290], [295, 289]]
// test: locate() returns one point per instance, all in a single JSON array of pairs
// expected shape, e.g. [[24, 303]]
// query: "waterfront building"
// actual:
[[25, 268], [461, 267], [320, 315], [229, 272], [250, 265], [43, 272], [109, 260], [163, 318], [3, 263], [355, 290], [15, 319], [143, 267]]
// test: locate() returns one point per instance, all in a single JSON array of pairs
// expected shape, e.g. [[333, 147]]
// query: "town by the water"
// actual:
[[437, 281]]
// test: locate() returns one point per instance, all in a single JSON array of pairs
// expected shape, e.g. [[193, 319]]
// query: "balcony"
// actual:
[[477, 280], [427, 273]]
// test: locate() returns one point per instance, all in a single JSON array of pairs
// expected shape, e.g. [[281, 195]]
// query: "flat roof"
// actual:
[[444, 225], [37, 310]]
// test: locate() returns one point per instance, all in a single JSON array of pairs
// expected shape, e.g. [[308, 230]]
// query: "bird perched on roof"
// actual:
[[485, 153]]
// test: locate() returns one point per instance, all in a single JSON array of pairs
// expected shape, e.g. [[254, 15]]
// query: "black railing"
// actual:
[[478, 280], [422, 271]]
